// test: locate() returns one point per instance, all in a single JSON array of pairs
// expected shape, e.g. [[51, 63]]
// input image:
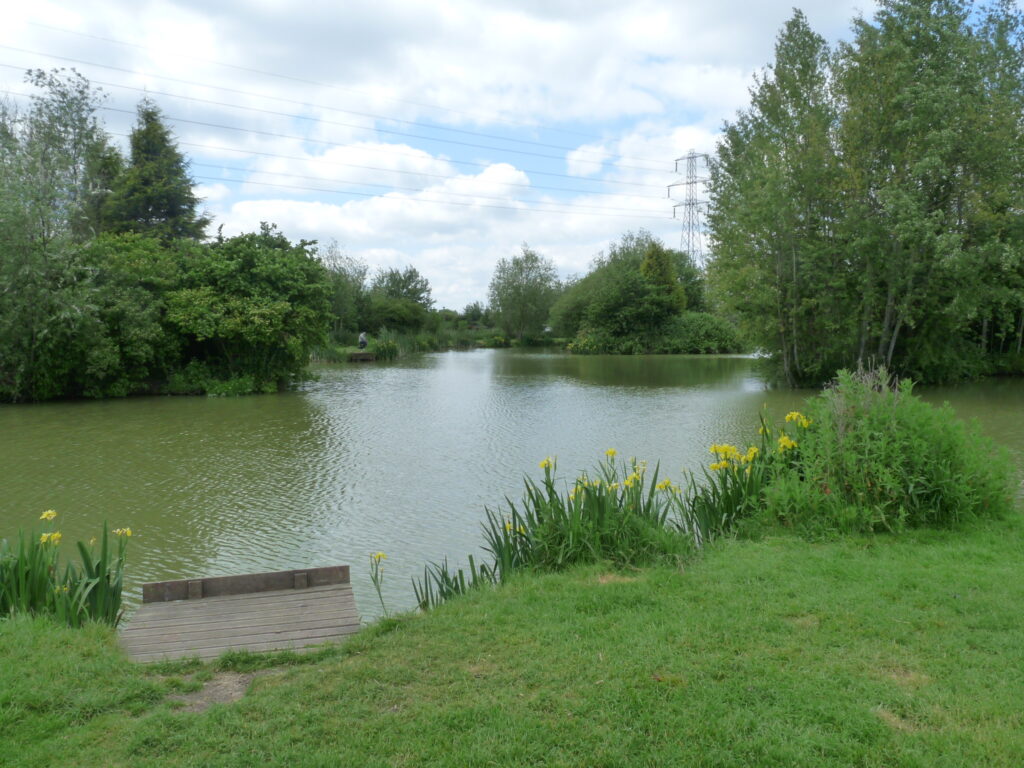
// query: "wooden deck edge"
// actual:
[[217, 586]]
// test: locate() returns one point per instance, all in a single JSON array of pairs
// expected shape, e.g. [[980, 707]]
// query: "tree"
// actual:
[[862, 207], [522, 291], [626, 299], [773, 185], [474, 312], [153, 195], [248, 310], [349, 292], [406, 284], [48, 313]]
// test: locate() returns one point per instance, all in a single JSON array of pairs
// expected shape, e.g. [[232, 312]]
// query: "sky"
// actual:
[[444, 135]]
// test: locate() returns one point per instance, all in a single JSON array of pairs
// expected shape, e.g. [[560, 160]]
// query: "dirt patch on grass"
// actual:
[[907, 678], [614, 578], [222, 688], [807, 621], [893, 720]]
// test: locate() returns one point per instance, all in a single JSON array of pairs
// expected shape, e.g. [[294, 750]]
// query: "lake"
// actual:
[[399, 457]]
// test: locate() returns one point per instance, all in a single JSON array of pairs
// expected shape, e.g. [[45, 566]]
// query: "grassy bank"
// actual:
[[869, 651]]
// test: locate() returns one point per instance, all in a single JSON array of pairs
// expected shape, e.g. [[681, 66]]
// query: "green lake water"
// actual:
[[400, 457]]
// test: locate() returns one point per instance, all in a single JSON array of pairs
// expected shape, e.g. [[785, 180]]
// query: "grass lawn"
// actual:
[[869, 651]]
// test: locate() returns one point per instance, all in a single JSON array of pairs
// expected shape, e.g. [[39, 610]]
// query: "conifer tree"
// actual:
[[154, 196]]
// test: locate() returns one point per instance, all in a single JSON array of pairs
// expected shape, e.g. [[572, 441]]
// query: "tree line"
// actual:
[[108, 283], [866, 206]]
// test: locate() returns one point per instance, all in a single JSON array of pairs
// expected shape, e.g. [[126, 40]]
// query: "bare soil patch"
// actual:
[[222, 688]]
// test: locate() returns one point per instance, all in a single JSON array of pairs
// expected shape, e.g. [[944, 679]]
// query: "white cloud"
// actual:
[[212, 192]]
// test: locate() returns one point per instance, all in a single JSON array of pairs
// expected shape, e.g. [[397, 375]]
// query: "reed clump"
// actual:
[[34, 581]]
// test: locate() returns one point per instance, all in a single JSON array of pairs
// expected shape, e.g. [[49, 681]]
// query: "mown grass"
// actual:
[[865, 651]]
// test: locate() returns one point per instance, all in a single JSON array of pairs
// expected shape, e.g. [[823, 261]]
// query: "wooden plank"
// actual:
[[296, 595], [254, 602], [289, 630], [163, 630], [264, 640], [161, 624], [213, 586], [212, 653]]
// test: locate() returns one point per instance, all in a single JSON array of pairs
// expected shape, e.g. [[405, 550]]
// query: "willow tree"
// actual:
[[47, 295], [522, 291], [776, 265]]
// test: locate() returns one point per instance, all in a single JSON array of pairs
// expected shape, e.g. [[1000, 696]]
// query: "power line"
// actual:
[[382, 169], [471, 163], [375, 129], [569, 206], [438, 202], [221, 126], [311, 105], [478, 117], [566, 208], [324, 161]]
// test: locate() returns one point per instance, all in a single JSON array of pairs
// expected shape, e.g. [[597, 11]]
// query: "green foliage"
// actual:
[[399, 314], [696, 333], [384, 348], [876, 457], [48, 316], [250, 309], [868, 456], [689, 333], [632, 300], [862, 206], [522, 292], [349, 292], [32, 581], [406, 284], [619, 516], [153, 194]]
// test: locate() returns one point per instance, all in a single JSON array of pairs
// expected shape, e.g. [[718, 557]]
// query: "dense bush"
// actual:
[[875, 457], [697, 333]]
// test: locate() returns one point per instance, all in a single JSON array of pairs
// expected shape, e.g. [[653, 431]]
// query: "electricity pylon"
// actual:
[[693, 236]]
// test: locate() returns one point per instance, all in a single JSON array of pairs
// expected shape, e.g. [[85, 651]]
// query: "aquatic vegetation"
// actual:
[[871, 455], [867, 456], [377, 577], [32, 580]]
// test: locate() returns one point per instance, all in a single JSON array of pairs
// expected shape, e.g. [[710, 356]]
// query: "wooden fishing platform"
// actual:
[[362, 357], [254, 612]]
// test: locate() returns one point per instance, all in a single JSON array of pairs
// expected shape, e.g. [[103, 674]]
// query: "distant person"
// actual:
[[362, 340]]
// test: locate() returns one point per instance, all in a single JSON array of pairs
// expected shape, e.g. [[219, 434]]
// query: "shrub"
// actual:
[[698, 333], [873, 456], [383, 349]]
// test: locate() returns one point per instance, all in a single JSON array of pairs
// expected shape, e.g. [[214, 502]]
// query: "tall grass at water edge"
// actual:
[[868, 456], [620, 514], [33, 580]]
